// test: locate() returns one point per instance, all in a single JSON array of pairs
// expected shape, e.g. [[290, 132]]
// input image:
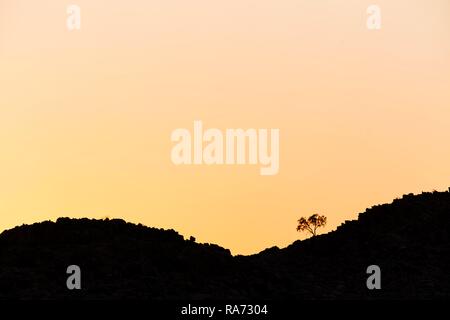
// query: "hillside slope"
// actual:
[[409, 239]]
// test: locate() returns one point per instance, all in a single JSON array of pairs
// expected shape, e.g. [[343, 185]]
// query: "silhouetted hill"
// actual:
[[409, 239]]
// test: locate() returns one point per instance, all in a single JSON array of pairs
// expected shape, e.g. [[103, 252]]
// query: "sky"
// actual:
[[86, 116]]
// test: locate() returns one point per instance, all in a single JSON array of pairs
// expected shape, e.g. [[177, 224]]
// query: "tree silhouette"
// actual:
[[311, 224]]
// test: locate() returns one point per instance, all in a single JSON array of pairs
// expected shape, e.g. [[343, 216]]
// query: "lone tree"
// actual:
[[311, 224]]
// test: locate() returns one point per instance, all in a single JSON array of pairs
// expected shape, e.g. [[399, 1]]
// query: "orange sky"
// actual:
[[86, 116]]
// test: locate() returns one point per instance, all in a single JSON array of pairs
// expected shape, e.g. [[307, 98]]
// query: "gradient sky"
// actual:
[[86, 117]]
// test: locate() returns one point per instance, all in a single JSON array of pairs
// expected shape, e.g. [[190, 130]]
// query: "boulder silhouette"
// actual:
[[408, 239]]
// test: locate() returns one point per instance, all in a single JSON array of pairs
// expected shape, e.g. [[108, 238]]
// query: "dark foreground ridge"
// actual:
[[409, 239]]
